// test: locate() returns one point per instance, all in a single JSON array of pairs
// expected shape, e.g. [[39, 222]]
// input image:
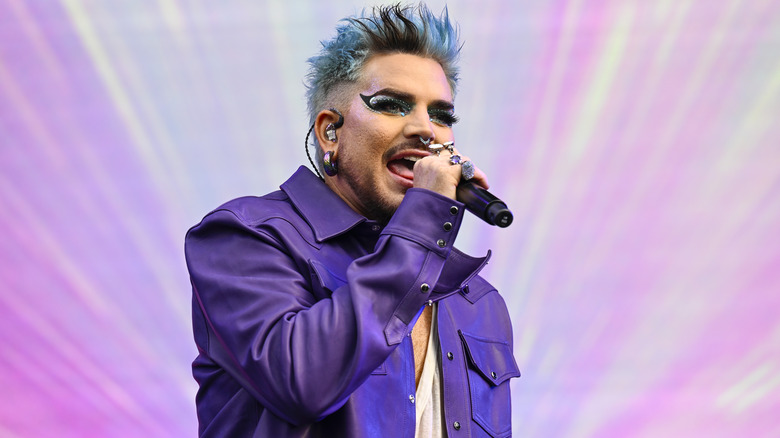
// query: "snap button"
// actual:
[[450, 355], [376, 227], [411, 398], [456, 425], [454, 210], [424, 287], [441, 243], [447, 226], [493, 374]]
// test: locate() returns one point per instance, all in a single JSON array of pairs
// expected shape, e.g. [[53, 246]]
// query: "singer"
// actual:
[[338, 305]]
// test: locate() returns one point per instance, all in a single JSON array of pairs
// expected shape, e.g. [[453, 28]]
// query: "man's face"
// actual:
[[399, 98]]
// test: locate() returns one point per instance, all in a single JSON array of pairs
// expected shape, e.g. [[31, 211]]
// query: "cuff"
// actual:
[[427, 218]]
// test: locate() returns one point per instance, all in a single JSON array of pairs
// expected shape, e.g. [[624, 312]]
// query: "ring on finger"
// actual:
[[455, 159], [437, 148], [467, 170]]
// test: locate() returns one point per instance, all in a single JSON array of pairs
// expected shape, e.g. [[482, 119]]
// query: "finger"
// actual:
[[443, 159], [480, 178]]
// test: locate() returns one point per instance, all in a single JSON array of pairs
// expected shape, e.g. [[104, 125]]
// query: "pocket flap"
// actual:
[[492, 359], [322, 275]]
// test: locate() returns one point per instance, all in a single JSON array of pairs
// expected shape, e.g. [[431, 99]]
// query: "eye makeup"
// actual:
[[384, 103], [396, 103], [443, 117]]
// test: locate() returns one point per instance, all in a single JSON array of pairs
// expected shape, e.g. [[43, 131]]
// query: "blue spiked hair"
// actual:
[[387, 29]]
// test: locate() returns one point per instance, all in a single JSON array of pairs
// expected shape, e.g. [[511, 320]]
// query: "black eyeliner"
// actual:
[[367, 99], [386, 100]]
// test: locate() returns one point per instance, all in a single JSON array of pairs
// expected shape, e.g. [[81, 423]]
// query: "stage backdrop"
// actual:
[[637, 142]]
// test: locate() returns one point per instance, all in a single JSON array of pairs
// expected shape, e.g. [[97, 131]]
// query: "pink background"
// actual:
[[637, 143]]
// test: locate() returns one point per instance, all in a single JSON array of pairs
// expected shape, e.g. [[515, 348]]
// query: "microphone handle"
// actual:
[[484, 204]]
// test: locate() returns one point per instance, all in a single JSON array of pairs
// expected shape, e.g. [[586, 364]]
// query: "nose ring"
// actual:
[[425, 141]]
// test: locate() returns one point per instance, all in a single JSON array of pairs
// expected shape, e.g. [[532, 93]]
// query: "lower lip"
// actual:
[[405, 182]]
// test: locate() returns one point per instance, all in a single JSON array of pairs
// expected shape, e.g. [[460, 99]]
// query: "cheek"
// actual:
[[370, 140], [371, 134]]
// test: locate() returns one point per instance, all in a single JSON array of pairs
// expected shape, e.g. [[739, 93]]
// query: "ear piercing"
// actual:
[[329, 164]]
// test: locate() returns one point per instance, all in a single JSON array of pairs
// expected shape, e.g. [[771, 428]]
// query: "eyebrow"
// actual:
[[437, 104]]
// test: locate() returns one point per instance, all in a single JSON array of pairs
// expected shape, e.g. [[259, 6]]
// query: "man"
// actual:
[[338, 307]]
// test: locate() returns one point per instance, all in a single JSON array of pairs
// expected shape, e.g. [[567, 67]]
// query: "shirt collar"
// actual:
[[327, 214]]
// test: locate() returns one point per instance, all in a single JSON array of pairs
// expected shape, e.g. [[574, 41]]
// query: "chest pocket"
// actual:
[[323, 280], [490, 366]]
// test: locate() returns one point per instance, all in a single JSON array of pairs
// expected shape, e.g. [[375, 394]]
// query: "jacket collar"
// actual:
[[327, 214]]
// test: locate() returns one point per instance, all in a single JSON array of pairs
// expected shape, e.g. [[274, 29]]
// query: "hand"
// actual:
[[436, 173]]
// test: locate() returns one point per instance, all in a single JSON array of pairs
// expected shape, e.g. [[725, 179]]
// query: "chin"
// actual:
[[394, 199], [384, 207]]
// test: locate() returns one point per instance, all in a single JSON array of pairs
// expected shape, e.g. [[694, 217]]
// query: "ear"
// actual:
[[321, 122]]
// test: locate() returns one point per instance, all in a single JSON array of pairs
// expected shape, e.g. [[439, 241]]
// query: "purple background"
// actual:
[[637, 143]]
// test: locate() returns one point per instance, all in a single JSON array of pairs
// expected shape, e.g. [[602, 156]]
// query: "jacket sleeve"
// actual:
[[301, 355]]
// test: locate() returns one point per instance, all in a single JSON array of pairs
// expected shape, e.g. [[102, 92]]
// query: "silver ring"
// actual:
[[435, 148], [467, 170], [455, 159], [450, 145]]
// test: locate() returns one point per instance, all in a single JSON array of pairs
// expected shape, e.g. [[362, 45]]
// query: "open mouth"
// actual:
[[403, 166]]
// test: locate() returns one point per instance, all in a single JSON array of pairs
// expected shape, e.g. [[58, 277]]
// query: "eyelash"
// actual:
[[443, 117], [392, 105], [387, 104]]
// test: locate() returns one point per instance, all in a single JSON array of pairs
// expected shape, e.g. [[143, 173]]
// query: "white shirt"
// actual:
[[428, 403]]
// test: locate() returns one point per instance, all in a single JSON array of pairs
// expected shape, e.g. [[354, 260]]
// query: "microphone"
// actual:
[[484, 204]]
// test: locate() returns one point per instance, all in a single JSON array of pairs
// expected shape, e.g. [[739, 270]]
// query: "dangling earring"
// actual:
[[330, 132], [329, 163]]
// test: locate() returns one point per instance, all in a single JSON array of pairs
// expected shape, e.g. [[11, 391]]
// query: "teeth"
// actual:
[[412, 158]]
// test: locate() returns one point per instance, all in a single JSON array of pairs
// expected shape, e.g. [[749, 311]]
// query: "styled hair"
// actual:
[[387, 29]]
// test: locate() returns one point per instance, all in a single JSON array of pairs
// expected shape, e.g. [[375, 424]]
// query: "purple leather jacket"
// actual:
[[302, 311]]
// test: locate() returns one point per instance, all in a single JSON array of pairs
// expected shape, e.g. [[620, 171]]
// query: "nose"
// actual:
[[418, 124]]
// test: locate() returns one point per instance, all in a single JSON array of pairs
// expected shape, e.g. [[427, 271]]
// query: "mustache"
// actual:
[[405, 146]]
